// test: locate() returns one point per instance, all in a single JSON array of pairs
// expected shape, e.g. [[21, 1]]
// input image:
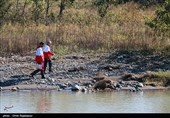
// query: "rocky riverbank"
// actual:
[[85, 72]]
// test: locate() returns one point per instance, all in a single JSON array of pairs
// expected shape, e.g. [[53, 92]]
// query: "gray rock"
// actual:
[[15, 88], [75, 87], [140, 84]]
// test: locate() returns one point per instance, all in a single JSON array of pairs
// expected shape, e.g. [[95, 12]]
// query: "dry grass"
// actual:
[[82, 29]]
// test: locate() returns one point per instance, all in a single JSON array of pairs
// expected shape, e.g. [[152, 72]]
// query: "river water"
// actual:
[[26, 101]]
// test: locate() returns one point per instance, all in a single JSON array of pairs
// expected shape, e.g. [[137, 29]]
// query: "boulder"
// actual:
[[15, 88], [75, 87], [103, 84]]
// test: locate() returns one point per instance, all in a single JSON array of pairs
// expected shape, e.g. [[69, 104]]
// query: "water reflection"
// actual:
[[44, 102], [78, 102]]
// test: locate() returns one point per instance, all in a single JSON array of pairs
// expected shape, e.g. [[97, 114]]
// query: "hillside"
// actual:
[[80, 28]]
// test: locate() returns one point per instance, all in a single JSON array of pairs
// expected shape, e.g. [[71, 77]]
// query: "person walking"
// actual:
[[47, 56], [39, 59]]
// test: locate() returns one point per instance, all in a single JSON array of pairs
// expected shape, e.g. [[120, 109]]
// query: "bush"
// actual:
[[142, 2], [162, 20]]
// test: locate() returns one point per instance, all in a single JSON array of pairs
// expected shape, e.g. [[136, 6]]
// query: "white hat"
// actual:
[[49, 41]]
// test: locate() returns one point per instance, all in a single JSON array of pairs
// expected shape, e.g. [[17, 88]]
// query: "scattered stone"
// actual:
[[73, 70], [140, 84], [15, 88], [75, 87], [0, 88], [83, 90], [50, 79], [98, 78], [110, 67], [96, 67], [62, 85]]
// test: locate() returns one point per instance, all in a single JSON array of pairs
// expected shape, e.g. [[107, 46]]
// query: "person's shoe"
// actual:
[[30, 75], [50, 71], [33, 77], [43, 78]]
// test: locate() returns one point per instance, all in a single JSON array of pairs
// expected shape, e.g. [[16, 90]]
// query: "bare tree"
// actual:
[[62, 7], [47, 10], [17, 8], [63, 4], [23, 10], [35, 12]]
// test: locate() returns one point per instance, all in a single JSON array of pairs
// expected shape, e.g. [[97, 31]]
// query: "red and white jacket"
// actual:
[[39, 55], [47, 52]]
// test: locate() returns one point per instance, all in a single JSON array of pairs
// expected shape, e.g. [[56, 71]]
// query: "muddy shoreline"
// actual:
[[41, 87], [84, 72]]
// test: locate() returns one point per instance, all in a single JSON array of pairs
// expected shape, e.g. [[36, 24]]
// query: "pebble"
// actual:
[[80, 68]]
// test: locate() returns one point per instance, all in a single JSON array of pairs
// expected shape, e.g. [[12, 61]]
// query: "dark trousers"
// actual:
[[36, 71], [49, 63]]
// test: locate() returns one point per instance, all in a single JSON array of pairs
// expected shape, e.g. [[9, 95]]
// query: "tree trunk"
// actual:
[[62, 7], [17, 11], [46, 13], [23, 11], [35, 13]]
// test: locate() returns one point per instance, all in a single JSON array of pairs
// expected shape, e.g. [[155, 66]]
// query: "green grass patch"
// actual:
[[160, 78]]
